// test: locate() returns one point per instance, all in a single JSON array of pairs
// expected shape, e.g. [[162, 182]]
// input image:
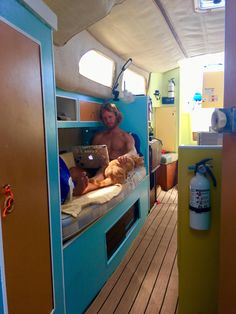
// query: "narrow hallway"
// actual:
[[147, 279]]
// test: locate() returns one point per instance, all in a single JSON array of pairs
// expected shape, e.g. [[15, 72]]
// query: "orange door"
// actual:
[[25, 231], [227, 297]]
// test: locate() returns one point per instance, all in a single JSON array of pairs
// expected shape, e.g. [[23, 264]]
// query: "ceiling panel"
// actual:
[[156, 34]]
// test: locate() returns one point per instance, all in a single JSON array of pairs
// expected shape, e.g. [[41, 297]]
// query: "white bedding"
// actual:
[[88, 214], [100, 196]]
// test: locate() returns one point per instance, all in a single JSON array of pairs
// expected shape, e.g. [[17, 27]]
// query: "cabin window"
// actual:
[[134, 83], [97, 67]]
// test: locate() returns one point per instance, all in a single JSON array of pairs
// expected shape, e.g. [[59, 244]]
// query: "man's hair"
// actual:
[[111, 108]]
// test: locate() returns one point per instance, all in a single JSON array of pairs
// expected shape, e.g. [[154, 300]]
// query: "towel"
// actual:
[[168, 158], [99, 196]]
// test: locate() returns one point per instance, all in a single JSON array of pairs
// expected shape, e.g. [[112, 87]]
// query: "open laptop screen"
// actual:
[[91, 156]]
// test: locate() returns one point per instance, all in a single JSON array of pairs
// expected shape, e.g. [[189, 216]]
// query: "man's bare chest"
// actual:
[[115, 142]]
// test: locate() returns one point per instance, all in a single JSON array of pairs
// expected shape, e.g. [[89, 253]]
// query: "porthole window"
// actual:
[[97, 67], [133, 82]]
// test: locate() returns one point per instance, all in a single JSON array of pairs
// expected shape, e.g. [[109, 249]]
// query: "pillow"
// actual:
[[137, 143], [68, 158], [66, 183], [91, 156], [168, 158]]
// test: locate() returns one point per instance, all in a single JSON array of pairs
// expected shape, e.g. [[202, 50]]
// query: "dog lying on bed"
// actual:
[[116, 172]]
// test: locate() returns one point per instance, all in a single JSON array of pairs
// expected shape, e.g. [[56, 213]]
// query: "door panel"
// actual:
[[227, 300], [166, 127], [26, 234]]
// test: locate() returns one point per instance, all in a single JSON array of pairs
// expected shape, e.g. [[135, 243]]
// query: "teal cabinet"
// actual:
[[90, 258], [86, 263]]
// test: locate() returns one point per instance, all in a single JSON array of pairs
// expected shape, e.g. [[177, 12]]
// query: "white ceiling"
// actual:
[[156, 34]]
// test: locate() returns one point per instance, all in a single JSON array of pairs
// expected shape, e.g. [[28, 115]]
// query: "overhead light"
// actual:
[[206, 5]]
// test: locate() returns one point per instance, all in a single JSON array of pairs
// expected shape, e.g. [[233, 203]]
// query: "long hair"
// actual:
[[111, 108]]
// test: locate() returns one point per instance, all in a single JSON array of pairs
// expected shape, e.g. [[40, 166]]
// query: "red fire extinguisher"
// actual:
[[200, 202]]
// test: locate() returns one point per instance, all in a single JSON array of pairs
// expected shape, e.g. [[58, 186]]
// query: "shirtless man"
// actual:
[[119, 143]]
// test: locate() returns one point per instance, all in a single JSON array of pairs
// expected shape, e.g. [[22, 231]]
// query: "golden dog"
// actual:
[[117, 172]]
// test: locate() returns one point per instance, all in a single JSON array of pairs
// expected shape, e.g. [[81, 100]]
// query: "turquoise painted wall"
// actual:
[[138, 124]]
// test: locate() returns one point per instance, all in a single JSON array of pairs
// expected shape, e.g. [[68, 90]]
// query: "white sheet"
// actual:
[[99, 196], [71, 226]]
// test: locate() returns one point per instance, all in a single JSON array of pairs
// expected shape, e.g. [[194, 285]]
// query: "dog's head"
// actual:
[[129, 164], [138, 161]]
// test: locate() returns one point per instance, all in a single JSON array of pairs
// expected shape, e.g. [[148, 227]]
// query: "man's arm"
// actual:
[[130, 146], [131, 150], [97, 139]]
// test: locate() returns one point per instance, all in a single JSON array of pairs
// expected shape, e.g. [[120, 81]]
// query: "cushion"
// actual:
[[168, 158], [68, 158], [66, 183], [137, 143]]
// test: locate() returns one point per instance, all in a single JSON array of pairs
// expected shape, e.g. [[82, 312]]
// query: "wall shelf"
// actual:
[[77, 111]]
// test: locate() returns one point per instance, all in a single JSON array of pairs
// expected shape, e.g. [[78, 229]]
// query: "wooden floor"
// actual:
[[146, 281]]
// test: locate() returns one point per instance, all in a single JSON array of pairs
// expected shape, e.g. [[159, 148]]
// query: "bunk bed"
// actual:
[[81, 211], [96, 240]]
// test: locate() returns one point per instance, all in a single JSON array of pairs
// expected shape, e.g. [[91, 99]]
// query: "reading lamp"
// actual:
[[115, 92]]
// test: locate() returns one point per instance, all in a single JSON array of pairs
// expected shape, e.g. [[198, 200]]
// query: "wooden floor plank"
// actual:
[[166, 198], [170, 301], [175, 200], [143, 268], [148, 248], [141, 242], [146, 281], [156, 299], [161, 196], [147, 285], [174, 194], [170, 196]]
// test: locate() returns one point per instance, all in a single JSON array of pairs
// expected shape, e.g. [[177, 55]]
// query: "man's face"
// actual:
[[109, 119]]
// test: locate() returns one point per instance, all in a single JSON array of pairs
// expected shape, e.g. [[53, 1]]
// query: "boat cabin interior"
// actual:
[[165, 231]]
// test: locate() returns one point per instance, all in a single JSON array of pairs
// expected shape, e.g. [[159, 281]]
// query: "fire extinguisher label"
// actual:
[[199, 200]]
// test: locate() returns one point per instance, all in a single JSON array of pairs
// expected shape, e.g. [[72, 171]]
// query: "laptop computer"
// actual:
[[91, 156]]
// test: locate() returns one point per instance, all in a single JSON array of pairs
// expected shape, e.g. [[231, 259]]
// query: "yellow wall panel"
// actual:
[[198, 251], [166, 127]]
